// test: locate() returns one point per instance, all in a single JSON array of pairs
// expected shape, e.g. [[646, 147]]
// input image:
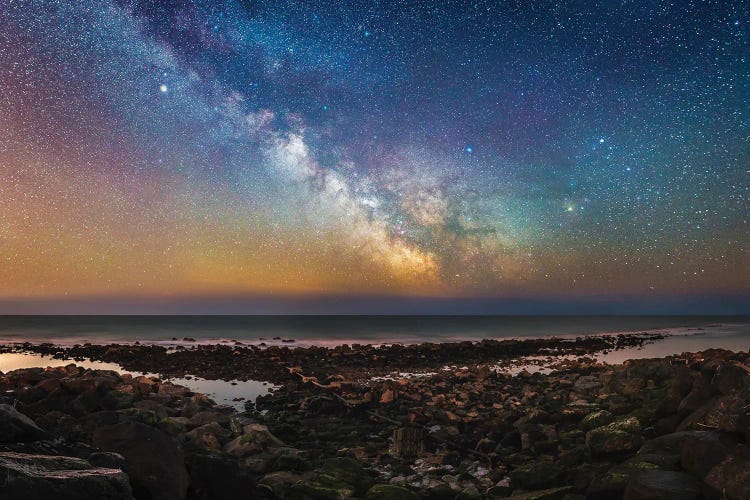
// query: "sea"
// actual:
[[683, 334]]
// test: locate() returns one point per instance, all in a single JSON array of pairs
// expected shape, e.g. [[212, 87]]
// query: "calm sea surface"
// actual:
[[331, 330]]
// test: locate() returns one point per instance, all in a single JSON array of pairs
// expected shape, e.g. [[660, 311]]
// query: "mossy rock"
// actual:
[[147, 417], [537, 476], [171, 426], [337, 478], [613, 483], [390, 492], [596, 419], [616, 438]]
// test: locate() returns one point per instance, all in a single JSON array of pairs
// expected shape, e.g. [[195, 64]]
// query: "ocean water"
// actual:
[[333, 330], [684, 334]]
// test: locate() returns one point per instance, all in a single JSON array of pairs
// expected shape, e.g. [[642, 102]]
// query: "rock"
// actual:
[[208, 436], [15, 426], [731, 477], [108, 460], [663, 484], [587, 384], [721, 412], [390, 492], [214, 477], [387, 396], [337, 478], [699, 395], [155, 462], [173, 391], [596, 419], [278, 484], [206, 417], [173, 425], [537, 476], [42, 477], [612, 484], [256, 439], [702, 452], [666, 450], [548, 494], [730, 378], [615, 438]]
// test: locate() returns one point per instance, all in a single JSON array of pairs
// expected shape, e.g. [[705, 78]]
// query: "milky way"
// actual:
[[444, 149]]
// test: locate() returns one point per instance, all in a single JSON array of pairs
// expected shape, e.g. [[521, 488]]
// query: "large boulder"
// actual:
[[218, 477], [255, 439], [596, 419], [390, 492], [730, 378], [15, 426], [43, 477], [731, 477], [337, 478], [155, 461], [664, 485], [616, 438], [537, 476], [701, 453], [612, 484]]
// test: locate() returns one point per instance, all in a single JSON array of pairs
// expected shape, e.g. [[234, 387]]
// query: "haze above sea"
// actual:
[[336, 330]]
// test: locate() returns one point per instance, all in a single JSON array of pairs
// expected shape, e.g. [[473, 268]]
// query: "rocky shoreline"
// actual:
[[341, 425]]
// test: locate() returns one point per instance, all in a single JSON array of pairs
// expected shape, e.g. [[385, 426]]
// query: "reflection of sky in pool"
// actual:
[[221, 391]]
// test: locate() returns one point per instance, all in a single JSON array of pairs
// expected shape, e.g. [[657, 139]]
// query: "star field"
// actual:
[[447, 149]]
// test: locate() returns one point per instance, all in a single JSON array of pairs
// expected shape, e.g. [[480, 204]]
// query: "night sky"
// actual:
[[253, 151]]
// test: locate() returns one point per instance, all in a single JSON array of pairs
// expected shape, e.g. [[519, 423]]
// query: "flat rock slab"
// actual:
[[664, 485], [32, 477]]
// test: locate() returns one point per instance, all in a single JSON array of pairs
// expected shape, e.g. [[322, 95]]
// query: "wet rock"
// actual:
[[42, 477], [390, 492], [256, 438], [173, 391], [15, 426], [699, 395], [721, 412], [730, 378], [155, 462], [208, 436], [618, 437], [596, 419], [587, 384], [700, 453], [731, 477], [337, 478], [278, 484], [108, 460], [537, 476], [612, 484], [661, 484], [214, 477]]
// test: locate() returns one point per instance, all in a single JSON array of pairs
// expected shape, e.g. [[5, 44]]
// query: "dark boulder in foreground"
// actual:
[[44, 477], [662, 484], [15, 426], [155, 461]]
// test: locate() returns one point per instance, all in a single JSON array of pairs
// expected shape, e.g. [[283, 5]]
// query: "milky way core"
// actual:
[[428, 149]]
